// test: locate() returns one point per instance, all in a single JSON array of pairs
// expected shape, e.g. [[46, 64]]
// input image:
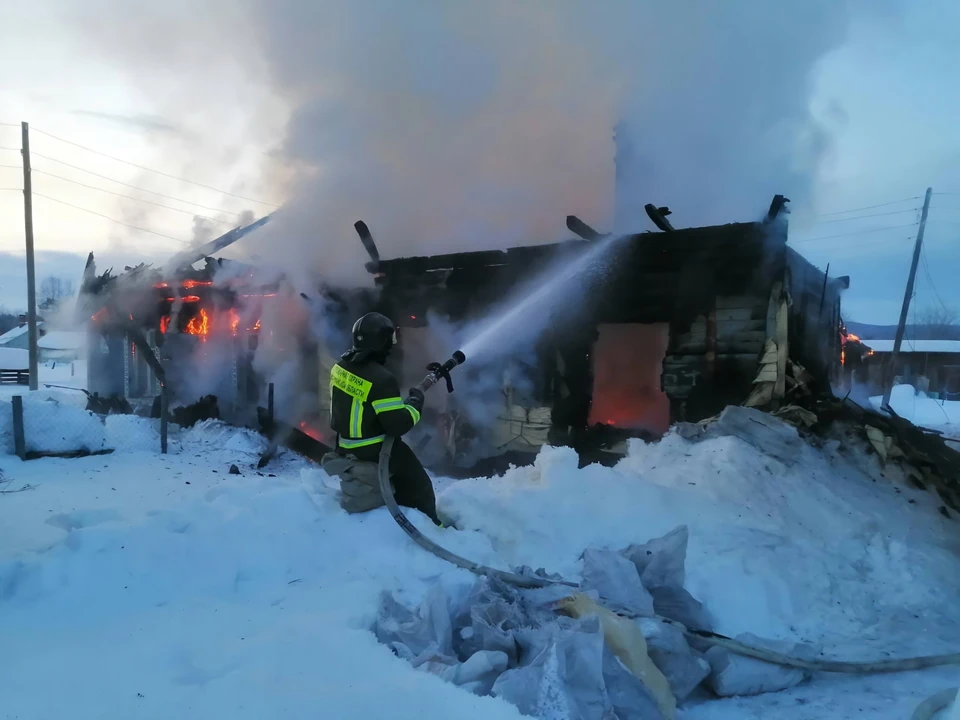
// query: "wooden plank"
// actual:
[[732, 328], [780, 388], [772, 307], [19, 441], [741, 347], [735, 302], [739, 313]]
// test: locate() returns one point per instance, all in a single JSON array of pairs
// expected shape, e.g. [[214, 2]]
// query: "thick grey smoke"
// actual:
[[451, 126]]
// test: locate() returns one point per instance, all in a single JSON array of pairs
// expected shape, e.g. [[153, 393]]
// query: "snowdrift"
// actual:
[[202, 594]]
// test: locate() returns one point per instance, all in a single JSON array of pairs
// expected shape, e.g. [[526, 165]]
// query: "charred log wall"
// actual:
[[814, 317], [710, 285]]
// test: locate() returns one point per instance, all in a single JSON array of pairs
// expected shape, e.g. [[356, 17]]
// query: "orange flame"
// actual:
[[194, 283], [99, 315], [164, 323], [199, 325], [234, 321]]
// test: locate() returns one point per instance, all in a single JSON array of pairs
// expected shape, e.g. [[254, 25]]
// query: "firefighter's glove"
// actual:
[[415, 399]]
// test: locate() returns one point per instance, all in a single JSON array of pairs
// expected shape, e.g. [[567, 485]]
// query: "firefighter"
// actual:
[[366, 406]]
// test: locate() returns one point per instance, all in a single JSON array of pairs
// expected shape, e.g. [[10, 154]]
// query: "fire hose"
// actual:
[[925, 711]]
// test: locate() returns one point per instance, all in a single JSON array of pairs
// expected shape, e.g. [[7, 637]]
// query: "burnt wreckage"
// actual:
[[666, 326], [670, 326], [145, 324]]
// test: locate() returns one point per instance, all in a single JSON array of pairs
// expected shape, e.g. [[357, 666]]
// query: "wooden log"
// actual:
[[738, 313], [782, 353]]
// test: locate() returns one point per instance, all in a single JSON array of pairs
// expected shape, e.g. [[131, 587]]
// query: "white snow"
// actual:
[[149, 586], [14, 359], [940, 415], [62, 340]]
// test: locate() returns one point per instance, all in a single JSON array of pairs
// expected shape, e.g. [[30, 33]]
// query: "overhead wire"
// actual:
[[855, 232], [870, 207], [129, 197], [107, 217], [158, 172], [871, 215], [135, 187]]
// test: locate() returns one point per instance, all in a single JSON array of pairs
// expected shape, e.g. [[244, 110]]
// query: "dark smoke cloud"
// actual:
[[450, 126]]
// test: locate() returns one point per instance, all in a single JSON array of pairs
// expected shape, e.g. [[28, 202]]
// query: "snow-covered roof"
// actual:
[[14, 333], [14, 359], [61, 340], [912, 346]]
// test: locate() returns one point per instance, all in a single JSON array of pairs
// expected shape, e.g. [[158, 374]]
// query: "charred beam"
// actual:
[[777, 206], [579, 228], [366, 237], [659, 216]]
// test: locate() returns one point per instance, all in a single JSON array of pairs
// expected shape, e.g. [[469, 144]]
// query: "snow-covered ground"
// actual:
[[136, 585], [940, 415]]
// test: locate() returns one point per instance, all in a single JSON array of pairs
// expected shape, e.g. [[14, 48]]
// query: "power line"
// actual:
[[4, 147], [946, 193], [130, 197], [12, 167], [107, 217], [135, 187], [858, 232], [933, 286], [10, 124], [870, 207], [871, 215], [15, 189], [158, 172]]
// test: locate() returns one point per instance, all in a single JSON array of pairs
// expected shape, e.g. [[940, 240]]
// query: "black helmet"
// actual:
[[374, 334]]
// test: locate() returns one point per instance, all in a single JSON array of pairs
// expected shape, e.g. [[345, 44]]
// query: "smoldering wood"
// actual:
[[579, 228], [659, 216]]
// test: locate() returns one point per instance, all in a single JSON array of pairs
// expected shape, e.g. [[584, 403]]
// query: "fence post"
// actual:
[[19, 441], [164, 402], [270, 403]]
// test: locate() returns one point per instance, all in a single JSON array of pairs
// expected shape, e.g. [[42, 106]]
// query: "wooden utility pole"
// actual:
[[31, 267], [891, 368]]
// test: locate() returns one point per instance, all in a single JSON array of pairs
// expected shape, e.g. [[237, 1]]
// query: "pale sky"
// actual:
[[207, 106]]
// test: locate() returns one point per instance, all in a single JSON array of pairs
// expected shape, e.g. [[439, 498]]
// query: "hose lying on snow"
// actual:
[[836, 666], [934, 704]]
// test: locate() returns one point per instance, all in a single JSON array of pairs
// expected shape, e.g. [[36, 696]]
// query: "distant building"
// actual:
[[18, 337], [61, 345], [932, 366]]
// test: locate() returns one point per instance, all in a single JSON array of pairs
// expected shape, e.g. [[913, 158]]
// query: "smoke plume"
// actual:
[[469, 125]]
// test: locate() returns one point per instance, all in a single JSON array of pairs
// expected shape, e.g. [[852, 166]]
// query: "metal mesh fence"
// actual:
[[44, 425]]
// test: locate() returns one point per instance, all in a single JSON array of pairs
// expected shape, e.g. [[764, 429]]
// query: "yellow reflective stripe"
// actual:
[[356, 417], [394, 403], [414, 412], [344, 443], [353, 385]]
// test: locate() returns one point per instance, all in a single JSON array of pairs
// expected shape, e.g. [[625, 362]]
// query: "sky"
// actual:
[[479, 124]]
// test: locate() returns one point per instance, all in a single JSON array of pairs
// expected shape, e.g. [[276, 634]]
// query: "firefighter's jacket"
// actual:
[[365, 405]]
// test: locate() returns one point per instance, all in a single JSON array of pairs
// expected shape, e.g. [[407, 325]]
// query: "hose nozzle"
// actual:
[[438, 372]]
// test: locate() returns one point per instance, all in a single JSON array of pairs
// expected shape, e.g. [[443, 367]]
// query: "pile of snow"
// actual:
[[130, 433], [212, 595], [942, 415]]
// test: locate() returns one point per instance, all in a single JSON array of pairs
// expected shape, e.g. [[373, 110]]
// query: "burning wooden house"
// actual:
[[667, 326], [149, 327]]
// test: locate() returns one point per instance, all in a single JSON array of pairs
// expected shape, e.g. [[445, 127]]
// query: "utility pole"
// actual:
[[31, 267], [888, 379]]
